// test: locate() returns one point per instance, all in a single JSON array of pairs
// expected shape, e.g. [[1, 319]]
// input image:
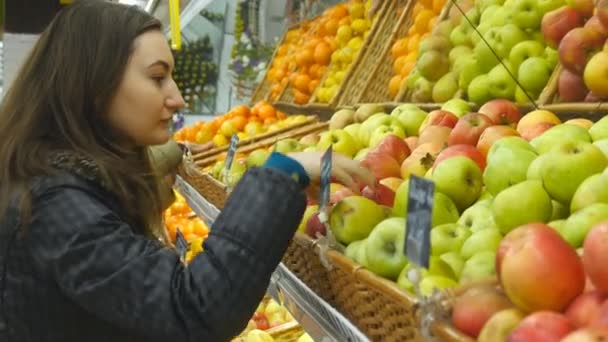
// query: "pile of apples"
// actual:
[[241, 120], [404, 51], [269, 314], [455, 62], [350, 36], [580, 36], [494, 170], [547, 291]]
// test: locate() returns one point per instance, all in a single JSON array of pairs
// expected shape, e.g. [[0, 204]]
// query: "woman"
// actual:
[[80, 208]]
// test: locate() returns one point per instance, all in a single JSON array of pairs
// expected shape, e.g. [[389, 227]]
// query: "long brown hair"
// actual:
[[59, 101]]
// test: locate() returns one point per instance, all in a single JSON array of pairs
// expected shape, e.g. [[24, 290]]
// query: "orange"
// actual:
[[338, 12], [344, 21], [399, 63], [407, 68], [331, 27], [411, 57], [426, 3], [281, 115], [241, 110], [312, 71], [312, 86], [421, 22], [200, 228], [399, 48], [282, 50], [413, 42], [191, 237], [322, 54], [269, 121], [331, 43], [300, 97], [394, 85], [266, 111], [239, 122], [301, 82], [321, 72], [432, 23], [418, 7], [304, 57], [438, 6]]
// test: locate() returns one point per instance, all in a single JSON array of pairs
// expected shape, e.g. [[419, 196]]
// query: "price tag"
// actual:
[[418, 220], [234, 142], [181, 244], [176, 33], [326, 164]]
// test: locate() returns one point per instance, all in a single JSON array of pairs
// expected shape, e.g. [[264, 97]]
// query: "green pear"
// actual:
[[523, 203]]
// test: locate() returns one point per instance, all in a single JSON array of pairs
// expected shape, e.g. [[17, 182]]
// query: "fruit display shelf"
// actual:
[[321, 321]]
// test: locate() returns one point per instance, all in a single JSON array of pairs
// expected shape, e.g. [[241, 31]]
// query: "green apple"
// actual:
[[411, 117], [469, 71], [525, 96], [486, 197], [506, 167], [448, 237], [257, 158], [437, 266], [484, 5], [342, 118], [567, 165], [603, 145], [218, 169], [445, 88], [288, 145], [459, 52], [599, 130], [559, 134], [509, 36], [526, 14], [558, 225], [524, 50], [237, 170], [534, 170], [444, 210], [461, 35], [433, 64], [458, 107], [580, 223], [478, 217], [353, 130], [368, 126], [434, 43], [501, 18], [534, 73], [510, 142], [310, 210], [352, 249], [500, 325], [341, 141], [354, 217], [443, 28], [594, 189], [412, 78], [382, 132], [545, 6], [551, 55], [460, 178], [431, 283], [481, 265], [486, 59], [481, 241], [501, 83], [384, 248], [488, 13], [404, 282], [479, 90], [520, 204], [454, 261], [361, 154], [560, 211], [366, 110], [311, 149]]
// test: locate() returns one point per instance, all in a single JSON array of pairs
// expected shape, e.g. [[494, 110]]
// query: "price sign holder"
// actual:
[[176, 34], [418, 220], [234, 142], [181, 244]]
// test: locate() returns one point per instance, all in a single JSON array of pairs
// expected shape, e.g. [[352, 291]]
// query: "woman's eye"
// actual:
[[158, 79]]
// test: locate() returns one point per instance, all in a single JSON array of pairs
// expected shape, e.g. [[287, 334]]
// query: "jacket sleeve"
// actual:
[[137, 284], [165, 158]]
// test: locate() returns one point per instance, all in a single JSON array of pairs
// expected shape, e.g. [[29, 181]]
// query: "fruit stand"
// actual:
[[498, 104]]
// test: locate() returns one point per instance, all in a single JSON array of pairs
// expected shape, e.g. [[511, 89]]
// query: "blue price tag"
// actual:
[[418, 220], [326, 164], [181, 244]]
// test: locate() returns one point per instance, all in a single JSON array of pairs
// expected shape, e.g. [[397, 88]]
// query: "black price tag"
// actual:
[[234, 142], [326, 164], [418, 220], [181, 244]]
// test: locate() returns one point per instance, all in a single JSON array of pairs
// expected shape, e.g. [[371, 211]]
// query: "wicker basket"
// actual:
[[212, 190], [405, 95], [593, 111]]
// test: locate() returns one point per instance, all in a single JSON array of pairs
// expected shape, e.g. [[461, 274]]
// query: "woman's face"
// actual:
[[147, 96]]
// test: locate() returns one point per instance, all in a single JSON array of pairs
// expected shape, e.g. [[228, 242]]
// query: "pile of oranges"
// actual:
[[241, 120], [283, 63], [405, 50], [180, 215]]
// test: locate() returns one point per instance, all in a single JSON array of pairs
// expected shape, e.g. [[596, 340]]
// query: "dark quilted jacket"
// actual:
[[80, 273]]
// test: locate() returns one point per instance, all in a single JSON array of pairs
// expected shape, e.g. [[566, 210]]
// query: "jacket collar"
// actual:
[[77, 164]]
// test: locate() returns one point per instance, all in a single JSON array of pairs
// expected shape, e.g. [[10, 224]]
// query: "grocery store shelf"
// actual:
[[321, 321]]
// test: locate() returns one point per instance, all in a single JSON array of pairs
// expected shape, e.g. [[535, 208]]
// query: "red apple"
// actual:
[[601, 7], [601, 318], [412, 142], [541, 326], [469, 128], [536, 251], [392, 182], [314, 226], [421, 160], [558, 22], [535, 117], [501, 112], [394, 147], [382, 194], [337, 195], [491, 134], [475, 306], [435, 134], [585, 308], [439, 118], [585, 123], [595, 25], [536, 130], [381, 165], [592, 334], [462, 150], [571, 87], [591, 97], [584, 7], [576, 48], [595, 256]]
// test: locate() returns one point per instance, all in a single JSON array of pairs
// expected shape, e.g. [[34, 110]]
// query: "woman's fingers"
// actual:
[[345, 178], [355, 169]]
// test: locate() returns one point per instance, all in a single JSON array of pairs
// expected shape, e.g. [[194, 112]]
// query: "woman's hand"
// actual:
[[345, 170]]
